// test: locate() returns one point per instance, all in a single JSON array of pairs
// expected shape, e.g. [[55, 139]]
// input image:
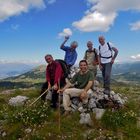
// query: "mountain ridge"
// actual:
[[14, 69], [125, 73]]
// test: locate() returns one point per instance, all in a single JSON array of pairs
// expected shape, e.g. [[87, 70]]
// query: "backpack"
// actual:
[[96, 56], [64, 67], [109, 48]]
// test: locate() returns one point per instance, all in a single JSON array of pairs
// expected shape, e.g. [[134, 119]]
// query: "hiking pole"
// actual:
[[39, 97]]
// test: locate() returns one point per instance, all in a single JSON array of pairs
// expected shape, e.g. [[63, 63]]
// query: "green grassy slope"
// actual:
[[40, 122]]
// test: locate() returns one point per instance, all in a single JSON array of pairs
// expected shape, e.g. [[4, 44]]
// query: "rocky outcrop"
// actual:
[[18, 100], [97, 103]]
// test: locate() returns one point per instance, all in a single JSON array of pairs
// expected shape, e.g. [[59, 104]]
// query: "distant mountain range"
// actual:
[[130, 77], [32, 78], [14, 69], [125, 73], [126, 68], [34, 74]]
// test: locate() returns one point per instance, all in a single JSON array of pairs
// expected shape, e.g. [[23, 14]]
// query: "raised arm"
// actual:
[[62, 45]]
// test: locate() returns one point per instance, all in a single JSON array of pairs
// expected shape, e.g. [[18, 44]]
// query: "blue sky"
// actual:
[[29, 29]]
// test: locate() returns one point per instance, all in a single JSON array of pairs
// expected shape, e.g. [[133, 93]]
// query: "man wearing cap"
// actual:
[[70, 52]]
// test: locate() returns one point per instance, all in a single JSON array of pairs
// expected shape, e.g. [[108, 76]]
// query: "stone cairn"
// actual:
[[97, 103]]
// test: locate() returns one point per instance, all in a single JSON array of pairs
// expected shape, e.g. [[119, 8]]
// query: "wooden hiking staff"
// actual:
[[39, 97], [59, 120]]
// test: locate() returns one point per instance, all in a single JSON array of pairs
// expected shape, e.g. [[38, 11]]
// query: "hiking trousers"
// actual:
[[73, 92], [106, 73], [54, 92]]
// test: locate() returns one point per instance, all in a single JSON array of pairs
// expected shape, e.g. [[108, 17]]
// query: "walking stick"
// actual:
[[59, 120], [39, 97]]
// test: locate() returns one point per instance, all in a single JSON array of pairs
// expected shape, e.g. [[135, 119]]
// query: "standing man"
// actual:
[[106, 59], [79, 86], [70, 52], [91, 57], [54, 79]]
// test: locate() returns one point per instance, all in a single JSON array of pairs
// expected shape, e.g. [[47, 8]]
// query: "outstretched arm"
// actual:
[[62, 45], [65, 87]]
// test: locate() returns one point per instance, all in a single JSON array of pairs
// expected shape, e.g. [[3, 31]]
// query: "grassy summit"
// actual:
[[41, 122]]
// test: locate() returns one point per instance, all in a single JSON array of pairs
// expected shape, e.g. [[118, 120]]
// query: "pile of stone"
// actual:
[[97, 103]]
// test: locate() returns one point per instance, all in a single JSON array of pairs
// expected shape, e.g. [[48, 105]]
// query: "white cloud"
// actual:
[[51, 1], [95, 22], [66, 32], [135, 26], [136, 57], [10, 8], [102, 14]]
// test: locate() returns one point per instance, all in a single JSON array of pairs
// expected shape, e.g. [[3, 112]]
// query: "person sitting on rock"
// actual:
[[79, 86]]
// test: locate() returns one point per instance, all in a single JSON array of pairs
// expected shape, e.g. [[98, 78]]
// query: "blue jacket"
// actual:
[[70, 55]]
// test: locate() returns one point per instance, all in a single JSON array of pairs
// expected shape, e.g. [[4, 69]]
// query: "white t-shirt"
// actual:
[[104, 51]]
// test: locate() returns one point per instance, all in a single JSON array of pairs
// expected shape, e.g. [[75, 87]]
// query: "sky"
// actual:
[[30, 29]]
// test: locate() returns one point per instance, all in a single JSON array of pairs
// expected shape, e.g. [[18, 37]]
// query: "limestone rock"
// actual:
[[18, 100]]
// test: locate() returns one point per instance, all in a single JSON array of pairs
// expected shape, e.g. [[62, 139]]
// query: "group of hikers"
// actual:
[[80, 85]]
